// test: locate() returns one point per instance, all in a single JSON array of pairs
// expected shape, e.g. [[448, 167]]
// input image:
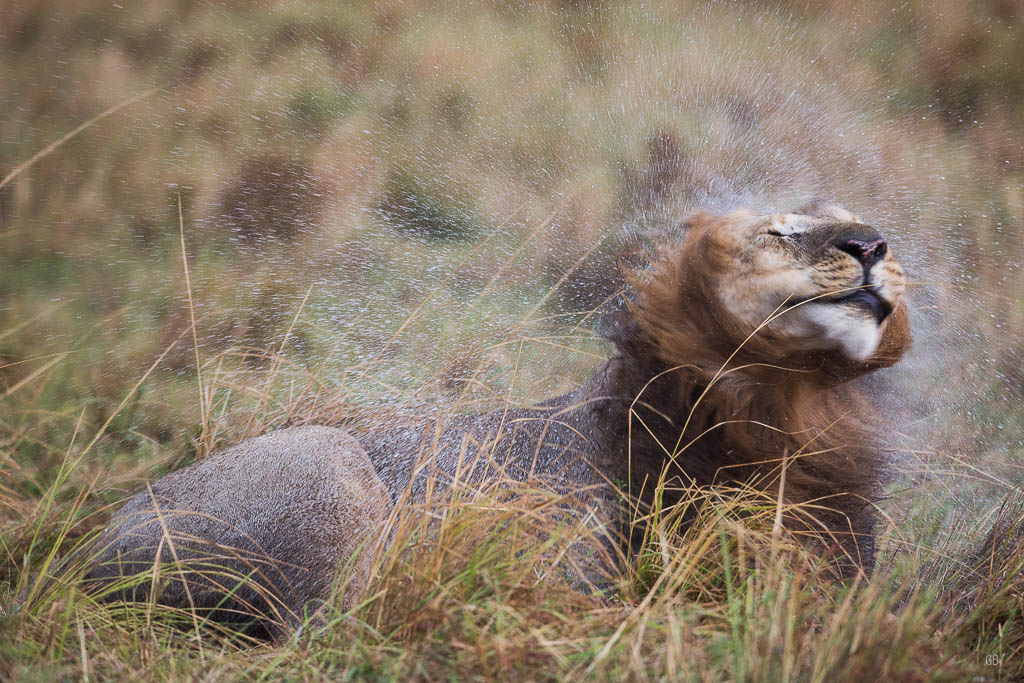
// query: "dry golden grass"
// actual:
[[537, 131], [485, 584]]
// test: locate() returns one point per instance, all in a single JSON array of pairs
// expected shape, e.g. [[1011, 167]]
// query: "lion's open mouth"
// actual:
[[870, 299]]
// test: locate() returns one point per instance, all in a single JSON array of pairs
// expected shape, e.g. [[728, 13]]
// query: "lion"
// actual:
[[732, 363]]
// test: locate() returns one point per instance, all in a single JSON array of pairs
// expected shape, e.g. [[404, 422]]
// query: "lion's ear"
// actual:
[[697, 221], [895, 339], [819, 208]]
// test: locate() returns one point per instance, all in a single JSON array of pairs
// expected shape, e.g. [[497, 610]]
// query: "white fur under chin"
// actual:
[[854, 333]]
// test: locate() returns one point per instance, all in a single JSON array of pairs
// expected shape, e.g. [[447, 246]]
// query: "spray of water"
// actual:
[[425, 208]]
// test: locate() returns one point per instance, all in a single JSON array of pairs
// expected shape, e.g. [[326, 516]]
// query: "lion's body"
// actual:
[[707, 385]]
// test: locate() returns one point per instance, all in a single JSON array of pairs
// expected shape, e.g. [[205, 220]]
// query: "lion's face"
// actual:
[[826, 281]]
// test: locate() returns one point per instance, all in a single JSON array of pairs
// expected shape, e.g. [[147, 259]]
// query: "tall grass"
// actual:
[[486, 583], [512, 142]]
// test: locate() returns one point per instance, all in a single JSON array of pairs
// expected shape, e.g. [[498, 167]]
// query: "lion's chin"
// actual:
[[854, 331]]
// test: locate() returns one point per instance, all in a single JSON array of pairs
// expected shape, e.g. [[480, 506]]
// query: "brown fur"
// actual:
[[692, 396], [818, 425], [697, 393]]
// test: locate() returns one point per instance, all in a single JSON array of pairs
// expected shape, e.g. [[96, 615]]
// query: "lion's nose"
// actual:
[[868, 252]]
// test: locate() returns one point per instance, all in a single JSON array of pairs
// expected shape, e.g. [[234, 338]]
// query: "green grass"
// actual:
[[505, 146]]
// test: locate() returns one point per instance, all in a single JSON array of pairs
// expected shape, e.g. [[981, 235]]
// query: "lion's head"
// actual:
[[812, 289], [741, 339]]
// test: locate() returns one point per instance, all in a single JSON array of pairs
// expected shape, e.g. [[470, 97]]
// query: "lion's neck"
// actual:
[[718, 426], [690, 426]]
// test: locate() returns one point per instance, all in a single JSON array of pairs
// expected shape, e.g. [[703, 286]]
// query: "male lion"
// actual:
[[731, 362]]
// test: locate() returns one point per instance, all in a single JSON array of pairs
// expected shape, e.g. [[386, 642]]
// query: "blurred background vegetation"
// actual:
[[386, 204]]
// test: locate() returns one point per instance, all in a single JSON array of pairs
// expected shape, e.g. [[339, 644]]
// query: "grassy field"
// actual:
[[287, 212]]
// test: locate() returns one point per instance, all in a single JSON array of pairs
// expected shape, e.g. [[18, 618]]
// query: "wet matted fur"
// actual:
[[731, 362]]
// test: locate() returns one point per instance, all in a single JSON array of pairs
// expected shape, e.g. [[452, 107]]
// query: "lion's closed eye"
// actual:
[[776, 233]]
